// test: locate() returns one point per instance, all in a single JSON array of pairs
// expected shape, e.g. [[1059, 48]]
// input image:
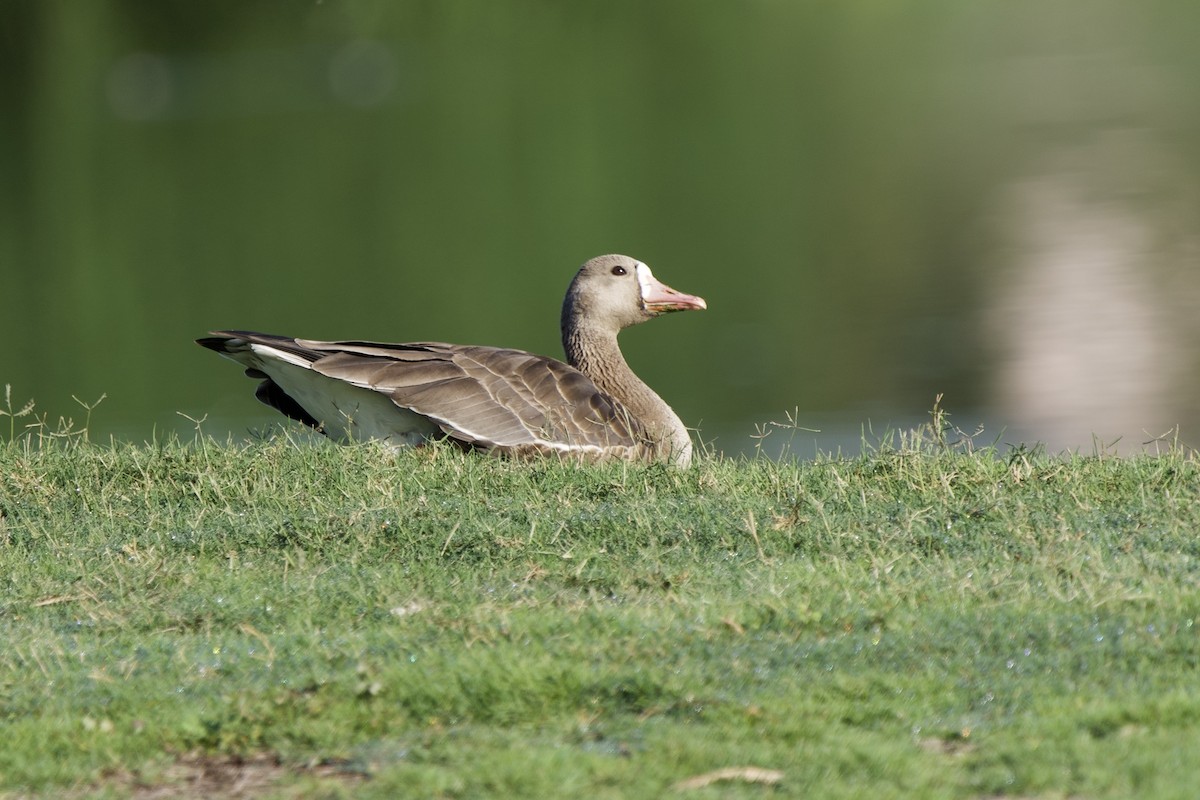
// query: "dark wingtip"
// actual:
[[217, 343], [219, 340]]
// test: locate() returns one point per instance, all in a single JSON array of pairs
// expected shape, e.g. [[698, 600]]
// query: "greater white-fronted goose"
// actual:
[[489, 398]]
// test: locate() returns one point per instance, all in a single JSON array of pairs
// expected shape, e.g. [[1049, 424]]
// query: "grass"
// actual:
[[283, 619]]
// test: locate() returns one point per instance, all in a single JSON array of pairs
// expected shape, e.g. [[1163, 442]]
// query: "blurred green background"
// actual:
[[881, 201]]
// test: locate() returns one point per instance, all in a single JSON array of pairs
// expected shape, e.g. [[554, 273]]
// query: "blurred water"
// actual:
[[996, 201]]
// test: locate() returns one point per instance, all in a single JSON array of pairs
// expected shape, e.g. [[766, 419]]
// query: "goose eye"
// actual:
[[618, 271]]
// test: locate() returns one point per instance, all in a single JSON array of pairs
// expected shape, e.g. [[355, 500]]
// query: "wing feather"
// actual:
[[486, 396]]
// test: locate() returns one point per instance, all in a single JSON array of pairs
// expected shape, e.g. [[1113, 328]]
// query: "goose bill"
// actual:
[[658, 298]]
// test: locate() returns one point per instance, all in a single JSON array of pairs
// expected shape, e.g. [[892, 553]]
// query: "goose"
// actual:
[[497, 400]]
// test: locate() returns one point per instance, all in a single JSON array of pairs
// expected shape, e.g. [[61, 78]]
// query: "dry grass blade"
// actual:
[[56, 599], [746, 774]]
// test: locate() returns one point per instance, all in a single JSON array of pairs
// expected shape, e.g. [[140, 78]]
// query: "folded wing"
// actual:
[[482, 397]]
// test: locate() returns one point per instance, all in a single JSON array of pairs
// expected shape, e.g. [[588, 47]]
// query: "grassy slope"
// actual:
[[917, 622]]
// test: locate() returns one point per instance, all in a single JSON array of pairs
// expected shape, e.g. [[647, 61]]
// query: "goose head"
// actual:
[[614, 291]]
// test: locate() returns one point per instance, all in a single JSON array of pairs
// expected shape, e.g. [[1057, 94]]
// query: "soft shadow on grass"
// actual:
[[926, 619]]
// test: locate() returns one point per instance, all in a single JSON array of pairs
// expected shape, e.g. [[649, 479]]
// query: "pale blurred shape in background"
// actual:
[[1085, 346]]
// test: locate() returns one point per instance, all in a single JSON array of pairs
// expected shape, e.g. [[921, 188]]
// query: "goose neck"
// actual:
[[595, 353]]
